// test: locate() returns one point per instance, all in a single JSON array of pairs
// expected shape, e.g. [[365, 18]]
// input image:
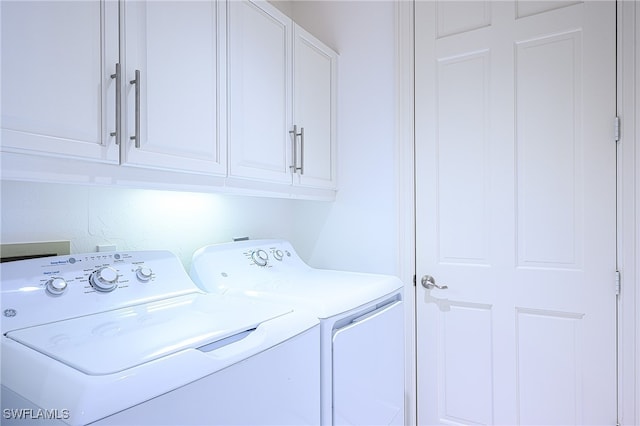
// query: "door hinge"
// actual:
[[618, 283], [414, 280], [616, 129]]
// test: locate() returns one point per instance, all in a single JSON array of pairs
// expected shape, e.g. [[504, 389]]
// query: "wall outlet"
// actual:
[[106, 247]]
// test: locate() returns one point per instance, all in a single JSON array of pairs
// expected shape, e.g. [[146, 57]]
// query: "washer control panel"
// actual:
[[55, 288], [102, 273]]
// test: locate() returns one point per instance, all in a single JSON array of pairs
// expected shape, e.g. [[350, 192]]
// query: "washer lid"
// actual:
[[113, 341]]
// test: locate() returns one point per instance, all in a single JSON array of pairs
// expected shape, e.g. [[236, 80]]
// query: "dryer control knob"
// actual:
[[104, 279], [278, 254], [144, 273], [260, 257], [56, 286]]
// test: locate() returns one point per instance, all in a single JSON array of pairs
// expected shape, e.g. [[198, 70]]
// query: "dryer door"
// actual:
[[368, 368]]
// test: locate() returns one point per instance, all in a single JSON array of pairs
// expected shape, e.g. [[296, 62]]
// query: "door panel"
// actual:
[[545, 369], [549, 186], [472, 390], [515, 212], [461, 152]]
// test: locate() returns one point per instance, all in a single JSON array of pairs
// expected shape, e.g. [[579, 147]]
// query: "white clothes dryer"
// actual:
[[361, 321], [127, 339]]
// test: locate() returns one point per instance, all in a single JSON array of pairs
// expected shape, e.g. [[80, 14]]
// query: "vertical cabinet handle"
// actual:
[[301, 168], [295, 135], [118, 77], [136, 136]]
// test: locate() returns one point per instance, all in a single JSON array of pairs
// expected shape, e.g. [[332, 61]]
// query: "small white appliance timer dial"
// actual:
[[104, 279], [260, 257]]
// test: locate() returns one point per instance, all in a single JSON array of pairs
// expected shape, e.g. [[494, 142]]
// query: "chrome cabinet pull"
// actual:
[[136, 136], [295, 135], [118, 77], [301, 168], [429, 283]]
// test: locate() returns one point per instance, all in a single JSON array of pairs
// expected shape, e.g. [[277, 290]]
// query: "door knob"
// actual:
[[429, 283]]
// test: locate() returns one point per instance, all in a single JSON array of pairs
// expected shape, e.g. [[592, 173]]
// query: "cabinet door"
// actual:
[[315, 110], [58, 97], [259, 72], [177, 47]]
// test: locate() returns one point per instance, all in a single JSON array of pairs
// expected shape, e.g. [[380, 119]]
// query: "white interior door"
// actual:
[[516, 185]]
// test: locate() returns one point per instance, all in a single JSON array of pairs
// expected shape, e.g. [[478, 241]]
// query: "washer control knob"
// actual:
[[278, 254], [260, 257], [144, 273], [56, 286], [104, 279]]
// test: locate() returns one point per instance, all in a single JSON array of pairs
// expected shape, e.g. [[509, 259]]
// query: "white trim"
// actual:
[[406, 212], [628, 217], [635, 199]]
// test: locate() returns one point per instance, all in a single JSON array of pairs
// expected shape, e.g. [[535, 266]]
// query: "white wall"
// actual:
[[359, 231], [134, 219]]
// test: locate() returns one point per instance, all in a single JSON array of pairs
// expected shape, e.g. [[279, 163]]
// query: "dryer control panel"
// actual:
[[265, 256], [245, 265], [43, 290]]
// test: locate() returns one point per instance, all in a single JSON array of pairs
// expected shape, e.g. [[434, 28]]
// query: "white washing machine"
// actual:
[[128, 339], [361, 321]]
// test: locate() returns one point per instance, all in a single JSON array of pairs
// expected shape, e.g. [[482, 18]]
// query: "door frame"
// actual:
[[628, 95], [628, 199], [405, 166]]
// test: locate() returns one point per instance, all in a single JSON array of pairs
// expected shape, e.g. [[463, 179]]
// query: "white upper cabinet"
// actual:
[[314, 87], [173, 110], [58, 97], [259, 71], [282, 84], [182, 94]]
